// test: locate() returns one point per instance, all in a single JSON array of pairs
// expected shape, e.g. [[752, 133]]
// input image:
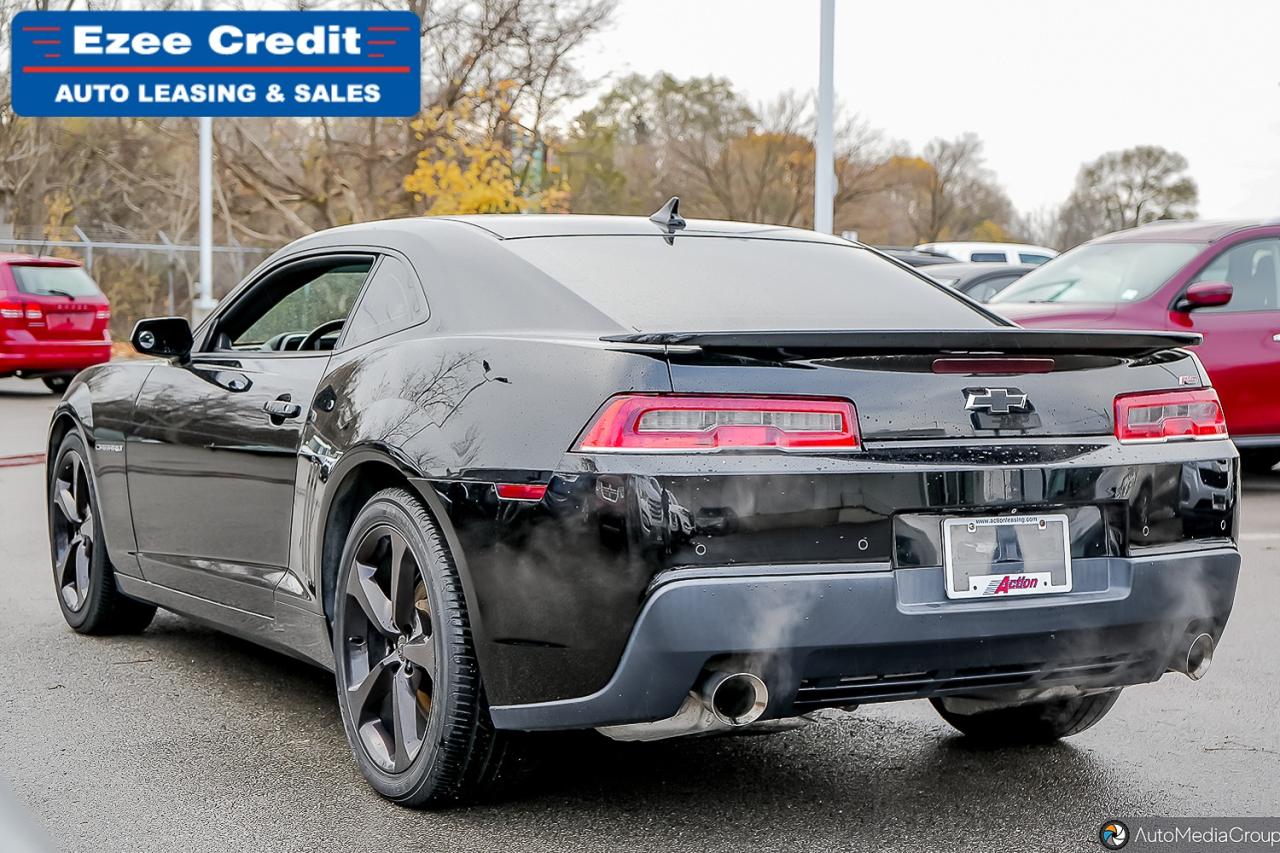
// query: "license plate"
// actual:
[[63, 321], [1006, 555]]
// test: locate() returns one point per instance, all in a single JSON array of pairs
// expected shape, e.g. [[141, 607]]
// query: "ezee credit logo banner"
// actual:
[[215, 63]]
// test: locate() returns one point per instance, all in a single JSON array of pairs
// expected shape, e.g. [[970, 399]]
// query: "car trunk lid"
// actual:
[[56, 301], [926, 385]]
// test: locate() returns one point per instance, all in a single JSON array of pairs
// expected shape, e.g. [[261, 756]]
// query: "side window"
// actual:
[[1033, 259], [281, 312], [989, 258], [1253, 270], [392, 301]]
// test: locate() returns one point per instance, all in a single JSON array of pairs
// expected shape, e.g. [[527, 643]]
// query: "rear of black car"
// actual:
[[860, 487]]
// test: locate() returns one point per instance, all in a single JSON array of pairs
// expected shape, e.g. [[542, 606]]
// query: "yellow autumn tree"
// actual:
[[464, 167]]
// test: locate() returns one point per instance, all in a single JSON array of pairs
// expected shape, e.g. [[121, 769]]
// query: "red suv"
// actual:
[[1218, 278], [53, 319]]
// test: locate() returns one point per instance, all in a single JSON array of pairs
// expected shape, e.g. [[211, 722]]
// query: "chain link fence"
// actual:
[[142, 277]]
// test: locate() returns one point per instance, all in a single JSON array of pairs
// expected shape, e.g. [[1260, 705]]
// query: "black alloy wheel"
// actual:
[[390, 653], [409, 688], [82, 574]]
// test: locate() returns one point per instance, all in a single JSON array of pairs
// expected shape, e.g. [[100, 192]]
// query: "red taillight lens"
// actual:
[[689, 423], [1165, 415]]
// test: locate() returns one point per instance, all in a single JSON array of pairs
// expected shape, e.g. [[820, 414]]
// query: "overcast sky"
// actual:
[[1047, 84]]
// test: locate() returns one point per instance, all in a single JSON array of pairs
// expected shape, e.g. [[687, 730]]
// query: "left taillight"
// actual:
[[674, 423], [1170, 416]]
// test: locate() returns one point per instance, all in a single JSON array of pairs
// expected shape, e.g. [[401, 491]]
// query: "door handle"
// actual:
[[281, 409]]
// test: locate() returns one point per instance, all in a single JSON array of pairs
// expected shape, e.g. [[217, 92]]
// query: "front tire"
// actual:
[[413, 704], [83, 576], [56, 384], [1033, 722]]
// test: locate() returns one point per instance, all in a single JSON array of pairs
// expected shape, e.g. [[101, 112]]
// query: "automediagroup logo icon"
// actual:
[[1113, 835]]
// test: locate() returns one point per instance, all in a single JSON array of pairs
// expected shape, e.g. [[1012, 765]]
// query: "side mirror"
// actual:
[[163, 337], [1204, 294]]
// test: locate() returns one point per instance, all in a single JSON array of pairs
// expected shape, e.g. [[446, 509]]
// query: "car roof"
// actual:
[[1180, 231], [19, 258], [965, 272], [978, 246], [514, 227]]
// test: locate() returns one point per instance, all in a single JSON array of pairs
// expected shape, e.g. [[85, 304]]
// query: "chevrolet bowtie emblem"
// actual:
[[997, 401]]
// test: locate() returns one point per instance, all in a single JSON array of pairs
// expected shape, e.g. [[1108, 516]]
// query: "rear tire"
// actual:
[[409, 687], [84, 578], [56, 384], [1034, 722], [1259, 461]]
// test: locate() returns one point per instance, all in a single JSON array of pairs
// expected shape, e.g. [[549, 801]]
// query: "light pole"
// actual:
[[204, 302], [824, 167]]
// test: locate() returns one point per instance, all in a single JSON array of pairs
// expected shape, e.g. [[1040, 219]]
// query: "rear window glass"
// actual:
[[988, 257], [710, 284], [54, 281]]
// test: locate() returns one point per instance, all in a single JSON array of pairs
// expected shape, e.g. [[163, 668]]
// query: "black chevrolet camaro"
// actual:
[[656, 478]]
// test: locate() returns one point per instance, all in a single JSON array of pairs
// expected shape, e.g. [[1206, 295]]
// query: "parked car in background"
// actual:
[[1221, 279], [991, 253], [978, 281], [53, 319], [914, 258]]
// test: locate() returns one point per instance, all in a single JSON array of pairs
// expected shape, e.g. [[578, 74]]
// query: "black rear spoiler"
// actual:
[[1010, 340]]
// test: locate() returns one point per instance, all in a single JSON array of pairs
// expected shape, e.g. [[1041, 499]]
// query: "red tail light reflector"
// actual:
[[1170, 415], [521, 491], [695, 423]]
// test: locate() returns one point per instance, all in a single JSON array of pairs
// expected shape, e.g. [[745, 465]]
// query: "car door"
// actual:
[[1241, 348], [213, 458]]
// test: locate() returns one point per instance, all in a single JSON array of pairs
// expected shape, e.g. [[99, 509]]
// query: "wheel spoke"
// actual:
[[66, 500], [404, 578], [86, 526], [372, 600], [82, 571], [422, 654], [407, 720], [358, 695]]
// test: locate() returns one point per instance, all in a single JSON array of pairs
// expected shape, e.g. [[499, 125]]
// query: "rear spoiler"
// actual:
[[1010, 340]]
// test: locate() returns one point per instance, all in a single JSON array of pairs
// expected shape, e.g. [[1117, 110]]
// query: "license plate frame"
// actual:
[[1047, 572]]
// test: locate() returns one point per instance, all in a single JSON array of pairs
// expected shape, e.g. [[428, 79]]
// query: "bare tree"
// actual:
[[1125, 189]]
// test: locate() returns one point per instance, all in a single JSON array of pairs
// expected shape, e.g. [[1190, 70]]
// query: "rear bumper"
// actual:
[[828, 638], [52, 356]]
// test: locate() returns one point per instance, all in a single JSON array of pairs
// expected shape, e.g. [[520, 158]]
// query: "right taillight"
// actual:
[[12, 310], [1170, 416]]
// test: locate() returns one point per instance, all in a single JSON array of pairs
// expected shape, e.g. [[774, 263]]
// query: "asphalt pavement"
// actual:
[[183, 739]]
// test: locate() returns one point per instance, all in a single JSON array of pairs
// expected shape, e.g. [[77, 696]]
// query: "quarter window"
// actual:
[[1253, 270], [393, 301], [1033, 259]]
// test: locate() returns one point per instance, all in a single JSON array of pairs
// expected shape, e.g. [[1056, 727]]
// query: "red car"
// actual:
[[53, 319], [1218, 278]]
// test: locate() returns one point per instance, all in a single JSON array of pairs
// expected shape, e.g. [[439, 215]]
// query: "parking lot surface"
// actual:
[[185, 739]]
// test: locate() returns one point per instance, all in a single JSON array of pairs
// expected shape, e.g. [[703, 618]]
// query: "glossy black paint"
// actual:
[[221, 509]]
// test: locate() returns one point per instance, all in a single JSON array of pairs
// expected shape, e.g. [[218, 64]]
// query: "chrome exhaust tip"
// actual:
[[736, 699], [1199, 657]]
